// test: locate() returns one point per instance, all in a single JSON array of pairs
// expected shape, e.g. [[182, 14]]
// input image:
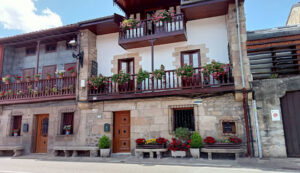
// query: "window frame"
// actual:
[[48, 45], [127, 60], [190, 53], [182, 109], [30, 54], [234, 130], [62, 131]]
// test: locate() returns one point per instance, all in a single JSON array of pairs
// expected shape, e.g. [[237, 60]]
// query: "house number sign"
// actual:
[[275, 115]]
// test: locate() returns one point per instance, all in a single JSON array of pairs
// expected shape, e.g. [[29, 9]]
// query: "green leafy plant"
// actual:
[[141, 76], [128, 23], [54, 89], [196, 140], [216, 69], [159, 73], [104, 142], [6, 78], [274, 76], [96, 81], [121, 78], [182, 133], [185, 71]]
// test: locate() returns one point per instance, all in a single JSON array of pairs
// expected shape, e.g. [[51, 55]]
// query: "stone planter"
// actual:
[[104, 152], [178, 154], [222, 145], [151, 146], [195, 152]]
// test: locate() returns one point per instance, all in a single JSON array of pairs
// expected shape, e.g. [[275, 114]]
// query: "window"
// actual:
[[16, 125], [126, 65], [67, 123], [229, 127], [30, 51], [191, 58], [50, 47], [184, 117]]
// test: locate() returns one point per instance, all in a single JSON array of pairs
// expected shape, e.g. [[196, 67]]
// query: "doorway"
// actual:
[[121, 133], [41, 133]]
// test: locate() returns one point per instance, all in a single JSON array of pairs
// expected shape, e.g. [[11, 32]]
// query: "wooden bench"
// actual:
[[139, 152], [17, 150], [209, 151], [74, 150]]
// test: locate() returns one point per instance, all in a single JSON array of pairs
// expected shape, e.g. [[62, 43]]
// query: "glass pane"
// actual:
[[124, 67], [131, 67], [45, 123], [186, 59], [195, 60]]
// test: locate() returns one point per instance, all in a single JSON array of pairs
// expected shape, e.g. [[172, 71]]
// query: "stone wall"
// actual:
[[268, 93], [28, 112], [151, 118]]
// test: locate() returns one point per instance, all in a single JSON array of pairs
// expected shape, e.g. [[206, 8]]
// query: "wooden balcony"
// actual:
[[162, 32], [38, 91], [170, 85]]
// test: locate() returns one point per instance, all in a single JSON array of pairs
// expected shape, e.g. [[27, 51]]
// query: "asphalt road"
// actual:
[[8, 165]]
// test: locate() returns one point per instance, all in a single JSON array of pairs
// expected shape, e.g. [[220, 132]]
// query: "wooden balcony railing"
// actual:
[[37, 91], [147, 30], [170, 85]]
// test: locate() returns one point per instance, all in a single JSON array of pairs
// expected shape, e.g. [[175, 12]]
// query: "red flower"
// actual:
[[140, 141], [189, 141], [235, 140], [209, 140]]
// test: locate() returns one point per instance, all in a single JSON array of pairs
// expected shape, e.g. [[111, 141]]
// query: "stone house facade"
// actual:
[[148, 110]]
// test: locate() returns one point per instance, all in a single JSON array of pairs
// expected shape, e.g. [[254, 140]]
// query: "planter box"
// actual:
[[151, 146], [178, 154], [222, 146], [104, 152], [195, 152]]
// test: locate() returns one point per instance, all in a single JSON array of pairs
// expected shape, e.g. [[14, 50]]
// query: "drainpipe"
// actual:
[[38, 57], [259, 146], [243, 78], [152, 54]]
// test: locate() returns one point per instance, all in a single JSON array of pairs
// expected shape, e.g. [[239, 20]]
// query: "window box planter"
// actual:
[[178, 154], [222, 145], [187, 81], [151, 146]]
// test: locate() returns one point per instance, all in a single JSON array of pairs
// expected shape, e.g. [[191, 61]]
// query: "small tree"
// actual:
[[196, 140], [104, 142], [182, 133]]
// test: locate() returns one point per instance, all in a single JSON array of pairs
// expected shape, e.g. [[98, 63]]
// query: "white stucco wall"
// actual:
[[211, 31]]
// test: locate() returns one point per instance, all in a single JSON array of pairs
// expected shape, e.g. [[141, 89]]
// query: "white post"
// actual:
[[257, 129]]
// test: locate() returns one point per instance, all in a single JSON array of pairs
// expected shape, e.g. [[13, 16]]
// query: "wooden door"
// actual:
[[67, 66], [49, 69], [290, 105], [42, 123], [28, 72], [121, 137]]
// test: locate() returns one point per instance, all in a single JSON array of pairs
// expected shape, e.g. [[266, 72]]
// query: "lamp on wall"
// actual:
[[73, 43]]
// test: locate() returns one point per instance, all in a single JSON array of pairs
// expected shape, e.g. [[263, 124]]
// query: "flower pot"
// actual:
[[178, 154], [195, 152], [7, 82], [104, 152], [37, 79], [18, 81], [60, 76], [151, 146], [68, 132], [187, 81], [74, 74], [16, 134], [28, 80], [48, 77]]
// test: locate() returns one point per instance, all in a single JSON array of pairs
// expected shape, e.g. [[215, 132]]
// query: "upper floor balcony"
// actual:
[[168, 84], [161, 32]]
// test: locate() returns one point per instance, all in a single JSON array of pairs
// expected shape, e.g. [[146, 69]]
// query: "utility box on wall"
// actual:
[[106, 127], [25, 128]]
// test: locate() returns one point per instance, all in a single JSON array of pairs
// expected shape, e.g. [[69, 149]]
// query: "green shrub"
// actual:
[[196, 140], [104, 142], [182, 133]]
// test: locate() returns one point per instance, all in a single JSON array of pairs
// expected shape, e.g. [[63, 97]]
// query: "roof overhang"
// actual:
[[105, 25], [136, 6], [198, 9]]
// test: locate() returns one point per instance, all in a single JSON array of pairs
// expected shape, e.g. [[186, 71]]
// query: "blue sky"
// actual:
[[41, 14]]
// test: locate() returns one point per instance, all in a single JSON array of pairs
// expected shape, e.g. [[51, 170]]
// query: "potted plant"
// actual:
[[67, 129], [36, 91], [20, 93], [141, 76], [17, 78], [72, 71], [71, 88], [163, 17], [37, 77], [16, 132], [232, 143], [28, 78], [122, 79], [60, 73], [2, 94], [48, 76], [196, 144], [154, 143], [6, 79], [186, 73], [54, 90], [104, 146], [99, 83], [178, 148], [159, 73], [182, 134], [127, 26], [215, 72]]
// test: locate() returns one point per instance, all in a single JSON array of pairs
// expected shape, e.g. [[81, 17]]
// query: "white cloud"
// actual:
[[22, 15]]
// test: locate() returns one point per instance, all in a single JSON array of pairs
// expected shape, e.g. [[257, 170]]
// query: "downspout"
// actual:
[[243, 78], [259, 146], [78, 66]]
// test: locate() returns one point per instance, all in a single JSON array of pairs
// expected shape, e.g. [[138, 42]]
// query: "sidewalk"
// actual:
[[274, 164]]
